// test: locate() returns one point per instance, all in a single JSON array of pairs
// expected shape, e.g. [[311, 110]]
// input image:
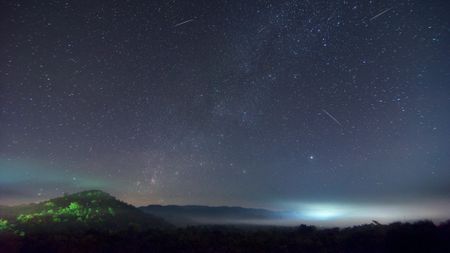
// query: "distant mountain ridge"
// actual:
[[84, 210], [99, 210], [198, 214]]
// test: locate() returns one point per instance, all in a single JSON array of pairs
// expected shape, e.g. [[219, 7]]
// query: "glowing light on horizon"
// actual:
[[319, 212], [358, 213]]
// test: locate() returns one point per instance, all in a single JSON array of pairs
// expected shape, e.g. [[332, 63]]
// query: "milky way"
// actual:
[[256, 103]]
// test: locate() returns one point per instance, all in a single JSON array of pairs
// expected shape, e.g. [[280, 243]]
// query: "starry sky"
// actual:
[[274, 104]]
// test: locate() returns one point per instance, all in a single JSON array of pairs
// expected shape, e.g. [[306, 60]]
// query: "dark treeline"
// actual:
[[421, 236]]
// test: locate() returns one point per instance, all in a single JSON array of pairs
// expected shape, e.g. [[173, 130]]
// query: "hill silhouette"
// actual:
[[94, 221], [92, 209]]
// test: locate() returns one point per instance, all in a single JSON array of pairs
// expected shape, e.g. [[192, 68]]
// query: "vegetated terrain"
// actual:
[[94, 221], [81, 211]]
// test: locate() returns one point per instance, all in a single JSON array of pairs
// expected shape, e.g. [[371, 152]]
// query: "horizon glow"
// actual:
[[345, 213]]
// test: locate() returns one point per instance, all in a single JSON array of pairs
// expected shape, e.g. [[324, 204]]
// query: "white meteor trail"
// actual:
[[332, 117], [184, 22], [379, 14]]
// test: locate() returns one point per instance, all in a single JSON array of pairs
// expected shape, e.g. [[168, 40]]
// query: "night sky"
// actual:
[[341, 107]]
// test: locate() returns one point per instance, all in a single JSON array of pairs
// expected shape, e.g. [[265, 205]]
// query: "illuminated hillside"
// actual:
[[85, 210]]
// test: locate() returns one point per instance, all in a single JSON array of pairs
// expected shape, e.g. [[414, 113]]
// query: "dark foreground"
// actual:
[[397, 237]]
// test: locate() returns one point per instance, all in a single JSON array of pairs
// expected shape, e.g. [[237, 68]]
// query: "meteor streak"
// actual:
[[332, 117], [184, 22], [379, 14]]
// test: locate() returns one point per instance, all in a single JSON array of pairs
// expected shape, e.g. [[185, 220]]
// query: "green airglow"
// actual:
[[16, 172]]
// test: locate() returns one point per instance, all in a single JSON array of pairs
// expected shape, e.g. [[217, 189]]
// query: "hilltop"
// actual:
[[92, 209]]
